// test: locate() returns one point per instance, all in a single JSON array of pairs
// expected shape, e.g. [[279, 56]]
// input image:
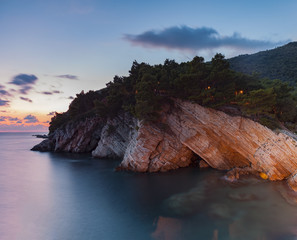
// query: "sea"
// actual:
[[60, 196]]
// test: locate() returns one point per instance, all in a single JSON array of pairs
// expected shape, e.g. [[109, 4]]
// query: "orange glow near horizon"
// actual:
[[24, 122]]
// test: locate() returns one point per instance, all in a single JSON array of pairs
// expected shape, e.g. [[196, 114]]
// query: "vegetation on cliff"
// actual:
[[212, 84], [279, 63]]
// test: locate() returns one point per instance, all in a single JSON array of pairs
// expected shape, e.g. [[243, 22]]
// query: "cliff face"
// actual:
[[223, 141], [226, 142], [115, 137], [76, 137], [154, 149], [104, 138], [186, 130]]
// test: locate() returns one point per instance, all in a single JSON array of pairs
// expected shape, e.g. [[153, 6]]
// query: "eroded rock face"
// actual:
[[224, 142], [115, 137], [76, 137], [153, 149]]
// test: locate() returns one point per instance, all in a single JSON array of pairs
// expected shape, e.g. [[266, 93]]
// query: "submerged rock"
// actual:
[[238, 196], [236, 173], [187, 203], [219, 210]]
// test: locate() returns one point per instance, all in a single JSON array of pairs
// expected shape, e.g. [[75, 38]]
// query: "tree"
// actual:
[[260, 101], [147, 101], [219, 63]]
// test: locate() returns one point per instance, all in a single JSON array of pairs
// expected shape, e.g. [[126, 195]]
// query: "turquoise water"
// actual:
[[52, 196]]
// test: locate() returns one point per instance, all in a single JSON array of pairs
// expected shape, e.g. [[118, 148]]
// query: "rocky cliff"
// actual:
[[103, 137], [185, 132]]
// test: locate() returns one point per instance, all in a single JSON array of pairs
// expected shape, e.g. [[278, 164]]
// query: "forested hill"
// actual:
[[279, 63], [211, 84]]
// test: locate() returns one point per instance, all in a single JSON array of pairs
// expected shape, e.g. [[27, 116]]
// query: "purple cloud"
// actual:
[[4, 102], [47, 93], [187, 38], [68, 76], [23, 79], [57, 92], [51, 114], [12, 119], [24, 90], [51, 93], [30, 119], [4, 92], [26, 99]]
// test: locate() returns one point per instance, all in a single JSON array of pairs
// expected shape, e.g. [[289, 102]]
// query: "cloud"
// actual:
[[26, 99], [11, 119], [4, 102], [25, 90], [57, 92], [68, 76], [51, 93], [187, 38], [51, 114], [4, 93], [47, 93], [30, 119], [25, 81]]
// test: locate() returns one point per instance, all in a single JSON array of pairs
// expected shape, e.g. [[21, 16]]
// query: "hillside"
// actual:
[[279, 63], [212, 84]]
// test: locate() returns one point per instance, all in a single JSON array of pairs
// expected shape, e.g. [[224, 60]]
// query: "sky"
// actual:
[[52, 50]]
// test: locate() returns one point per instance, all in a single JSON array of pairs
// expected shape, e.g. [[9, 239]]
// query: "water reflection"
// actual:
[[168, 229], [53, 196], [214, 209]]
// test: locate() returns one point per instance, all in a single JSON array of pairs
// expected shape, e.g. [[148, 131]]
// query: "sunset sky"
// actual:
[[52, 50]]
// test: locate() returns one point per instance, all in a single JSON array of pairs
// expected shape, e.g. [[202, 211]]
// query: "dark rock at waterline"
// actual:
[[44, 146], [40, 136]]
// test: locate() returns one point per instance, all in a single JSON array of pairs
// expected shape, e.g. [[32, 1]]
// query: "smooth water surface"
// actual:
[[52, 196]]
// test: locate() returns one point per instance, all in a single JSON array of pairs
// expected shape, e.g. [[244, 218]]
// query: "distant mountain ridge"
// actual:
[[279, 63]]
